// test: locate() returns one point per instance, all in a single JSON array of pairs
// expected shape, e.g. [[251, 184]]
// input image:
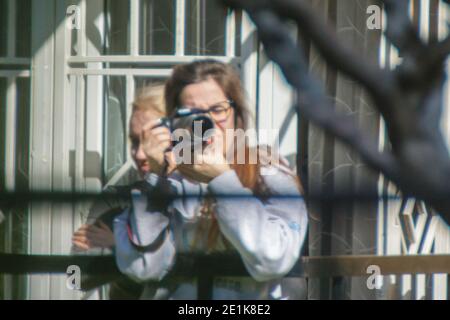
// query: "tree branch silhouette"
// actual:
[[410, 98]]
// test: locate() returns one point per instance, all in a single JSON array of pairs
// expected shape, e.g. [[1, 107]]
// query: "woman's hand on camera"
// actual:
[[208, 164], [156, 141]]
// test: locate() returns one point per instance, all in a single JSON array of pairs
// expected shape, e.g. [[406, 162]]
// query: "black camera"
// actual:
[[194, 124]]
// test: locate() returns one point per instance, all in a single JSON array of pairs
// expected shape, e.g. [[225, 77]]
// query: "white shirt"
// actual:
[[267, 235]]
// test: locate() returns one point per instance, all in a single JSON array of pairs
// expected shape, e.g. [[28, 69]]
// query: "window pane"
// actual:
[[74, 42], [205, 27], [117, 27], [3, 26], [22, 147], [22, 133], [157, 27], [114, 125], [238, 15], [19, 211], [23, 28]]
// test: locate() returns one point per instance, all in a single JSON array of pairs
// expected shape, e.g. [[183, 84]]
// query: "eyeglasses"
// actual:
[[220, 111]]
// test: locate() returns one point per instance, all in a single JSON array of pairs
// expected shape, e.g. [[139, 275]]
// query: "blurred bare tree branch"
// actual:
[[409, 98]]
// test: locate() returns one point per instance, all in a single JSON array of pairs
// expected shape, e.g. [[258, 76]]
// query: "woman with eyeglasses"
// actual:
[[251, 208]]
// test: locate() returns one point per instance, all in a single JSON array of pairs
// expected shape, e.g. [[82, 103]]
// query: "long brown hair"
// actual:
[[228, 79]]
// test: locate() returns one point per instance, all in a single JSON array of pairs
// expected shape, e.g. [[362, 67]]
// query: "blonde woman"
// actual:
[[97, 232]]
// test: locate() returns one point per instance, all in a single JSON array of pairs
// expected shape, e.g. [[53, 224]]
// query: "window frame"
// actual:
[[135, 64]]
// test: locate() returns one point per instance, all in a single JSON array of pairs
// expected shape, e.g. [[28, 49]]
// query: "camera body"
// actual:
[[192, 124]]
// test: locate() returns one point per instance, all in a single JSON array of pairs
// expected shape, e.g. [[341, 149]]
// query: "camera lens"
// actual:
[[204, 123]]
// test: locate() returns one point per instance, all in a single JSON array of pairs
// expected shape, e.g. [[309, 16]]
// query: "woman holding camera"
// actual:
[[254, 209]]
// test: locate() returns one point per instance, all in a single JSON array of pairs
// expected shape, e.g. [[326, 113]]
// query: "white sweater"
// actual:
[[267, 235]]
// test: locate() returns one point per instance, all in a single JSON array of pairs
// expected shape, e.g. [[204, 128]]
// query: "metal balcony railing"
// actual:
[[205, 267]]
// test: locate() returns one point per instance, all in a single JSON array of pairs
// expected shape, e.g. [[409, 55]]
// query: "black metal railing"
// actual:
[[205, 267]]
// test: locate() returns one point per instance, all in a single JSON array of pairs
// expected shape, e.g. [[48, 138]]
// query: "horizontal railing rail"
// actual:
[[23, 197], [231, 265], [206, 267], [103, 269]]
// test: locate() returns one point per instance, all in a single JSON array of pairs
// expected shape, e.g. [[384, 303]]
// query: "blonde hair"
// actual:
[[150, 98]]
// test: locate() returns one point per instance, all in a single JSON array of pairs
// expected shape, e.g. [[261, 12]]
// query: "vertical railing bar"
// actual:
[[205, 287], [424, 19], [79, 140], [82, 32], [129, 98], [249, 61], [230, 44], [11, 122], [205, 280], [79, 132], [198, 28], [134, 27], [180, 27]]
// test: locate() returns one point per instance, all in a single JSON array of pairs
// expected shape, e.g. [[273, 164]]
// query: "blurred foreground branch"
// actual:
[[410, 98]]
